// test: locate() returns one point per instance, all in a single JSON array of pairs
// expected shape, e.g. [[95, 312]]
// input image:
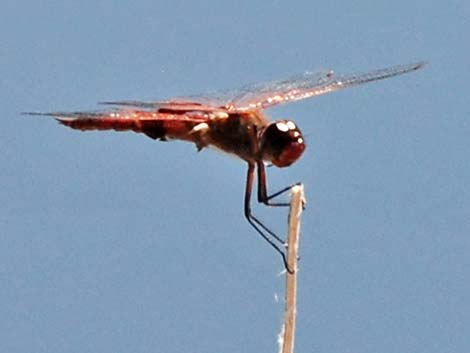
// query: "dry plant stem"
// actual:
[[296, 207]]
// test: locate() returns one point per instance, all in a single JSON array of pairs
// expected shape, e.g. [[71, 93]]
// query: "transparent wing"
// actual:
[[309, 85], [121, 115], [92, 114], [183, 104], [265, 95], [233, 99]]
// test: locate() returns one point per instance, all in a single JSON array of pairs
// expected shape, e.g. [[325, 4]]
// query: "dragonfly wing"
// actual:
[[262, 96], [177, 105], [133, 104], [266, 94], [251, 97], [156, 125]]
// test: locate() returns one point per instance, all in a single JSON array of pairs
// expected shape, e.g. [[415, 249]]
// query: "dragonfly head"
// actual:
[[281, 143]]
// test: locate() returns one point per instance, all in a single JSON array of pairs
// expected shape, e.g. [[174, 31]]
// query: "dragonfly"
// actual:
[[232, 121]]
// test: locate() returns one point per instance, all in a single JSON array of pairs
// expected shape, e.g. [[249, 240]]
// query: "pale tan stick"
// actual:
[[288, 330]]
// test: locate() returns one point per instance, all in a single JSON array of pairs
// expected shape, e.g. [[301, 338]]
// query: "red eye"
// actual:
[[282, 143], [290, 154]]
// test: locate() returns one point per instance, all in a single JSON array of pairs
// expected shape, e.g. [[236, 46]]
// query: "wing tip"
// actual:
[[34, 114], [418, 65], [54, 115]]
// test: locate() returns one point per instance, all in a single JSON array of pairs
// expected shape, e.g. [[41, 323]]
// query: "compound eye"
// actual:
[[282, 143]]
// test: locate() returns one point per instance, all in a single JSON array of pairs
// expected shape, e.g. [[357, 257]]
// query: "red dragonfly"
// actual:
[[232, 121]]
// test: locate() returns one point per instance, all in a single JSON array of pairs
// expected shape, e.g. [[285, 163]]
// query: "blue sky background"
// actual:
[[115, 243]]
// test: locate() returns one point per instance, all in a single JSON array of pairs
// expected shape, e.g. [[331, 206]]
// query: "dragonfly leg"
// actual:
[[260, 228], [262, 189]]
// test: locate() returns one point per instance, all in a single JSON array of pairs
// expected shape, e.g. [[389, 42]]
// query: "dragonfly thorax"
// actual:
[[281, 143]]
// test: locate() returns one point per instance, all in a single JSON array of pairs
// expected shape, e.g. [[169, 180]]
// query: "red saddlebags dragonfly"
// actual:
[[232, 121]]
